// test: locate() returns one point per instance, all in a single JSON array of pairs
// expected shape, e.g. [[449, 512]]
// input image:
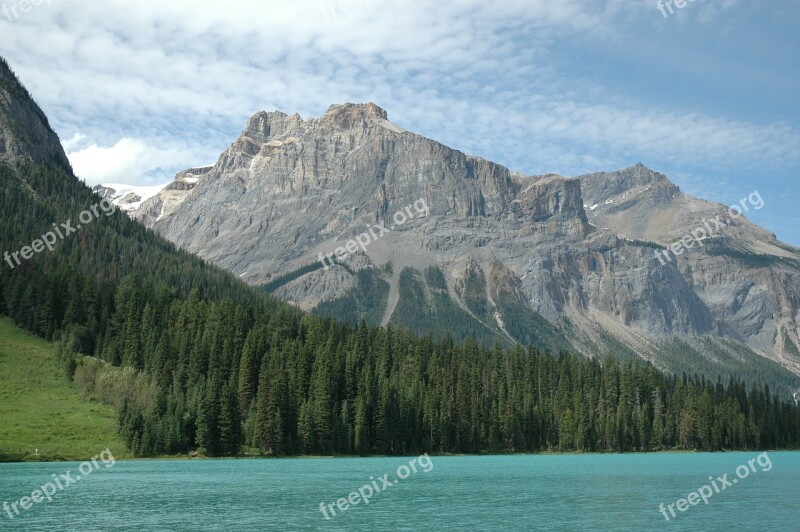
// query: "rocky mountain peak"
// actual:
[[277, 126], [264, 126], [631, 194], [602, 185], [353, 112]]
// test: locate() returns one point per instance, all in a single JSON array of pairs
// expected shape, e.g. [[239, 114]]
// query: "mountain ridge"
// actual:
[[582, 250]]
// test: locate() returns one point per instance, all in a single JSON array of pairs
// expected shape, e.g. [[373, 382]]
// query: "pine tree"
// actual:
[[230, 432]]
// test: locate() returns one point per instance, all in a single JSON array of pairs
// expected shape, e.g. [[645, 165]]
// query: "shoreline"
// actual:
[[183, 457]]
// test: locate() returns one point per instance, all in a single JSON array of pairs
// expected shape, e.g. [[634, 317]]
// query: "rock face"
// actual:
[[579, 253], [24, 131]]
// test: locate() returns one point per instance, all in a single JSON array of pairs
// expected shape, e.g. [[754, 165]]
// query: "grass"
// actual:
[[41, 409]]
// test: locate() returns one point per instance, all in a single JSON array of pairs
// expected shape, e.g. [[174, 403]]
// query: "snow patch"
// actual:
[[119, 192]]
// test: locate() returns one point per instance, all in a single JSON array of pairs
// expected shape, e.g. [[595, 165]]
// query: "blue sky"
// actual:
[[707, 95]]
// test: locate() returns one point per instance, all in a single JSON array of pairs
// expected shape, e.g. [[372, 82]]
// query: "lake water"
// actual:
[[536, 492]]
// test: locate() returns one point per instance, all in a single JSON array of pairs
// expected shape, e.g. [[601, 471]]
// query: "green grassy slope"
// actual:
[[41, 409]]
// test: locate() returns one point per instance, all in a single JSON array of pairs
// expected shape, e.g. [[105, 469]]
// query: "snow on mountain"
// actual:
[[128, 197]]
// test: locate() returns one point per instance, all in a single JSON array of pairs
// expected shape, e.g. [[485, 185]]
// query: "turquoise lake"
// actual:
[[531, 492]]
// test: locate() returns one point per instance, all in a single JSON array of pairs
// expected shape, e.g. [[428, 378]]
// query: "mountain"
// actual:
[[195, 361], [549, 260]]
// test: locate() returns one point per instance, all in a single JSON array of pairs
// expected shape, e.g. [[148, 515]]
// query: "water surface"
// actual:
[[532, 492]]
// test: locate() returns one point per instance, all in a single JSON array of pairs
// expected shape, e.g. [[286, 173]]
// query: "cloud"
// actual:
[[196, 70], [168, 85], [74, 143], [127, 161]]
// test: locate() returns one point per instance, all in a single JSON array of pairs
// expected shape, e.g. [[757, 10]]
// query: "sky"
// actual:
[[706, 94]]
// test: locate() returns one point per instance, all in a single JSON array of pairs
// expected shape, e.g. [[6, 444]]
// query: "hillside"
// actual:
[[41, 409]]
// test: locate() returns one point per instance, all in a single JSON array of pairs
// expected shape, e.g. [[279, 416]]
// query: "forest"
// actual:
[[195, 360]]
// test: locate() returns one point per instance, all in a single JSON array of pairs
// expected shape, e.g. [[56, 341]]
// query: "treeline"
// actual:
[[308, 386], [224, 379], [217, 377]]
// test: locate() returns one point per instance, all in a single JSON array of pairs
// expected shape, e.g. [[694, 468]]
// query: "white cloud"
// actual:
[[74, 143], [127, 161]]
